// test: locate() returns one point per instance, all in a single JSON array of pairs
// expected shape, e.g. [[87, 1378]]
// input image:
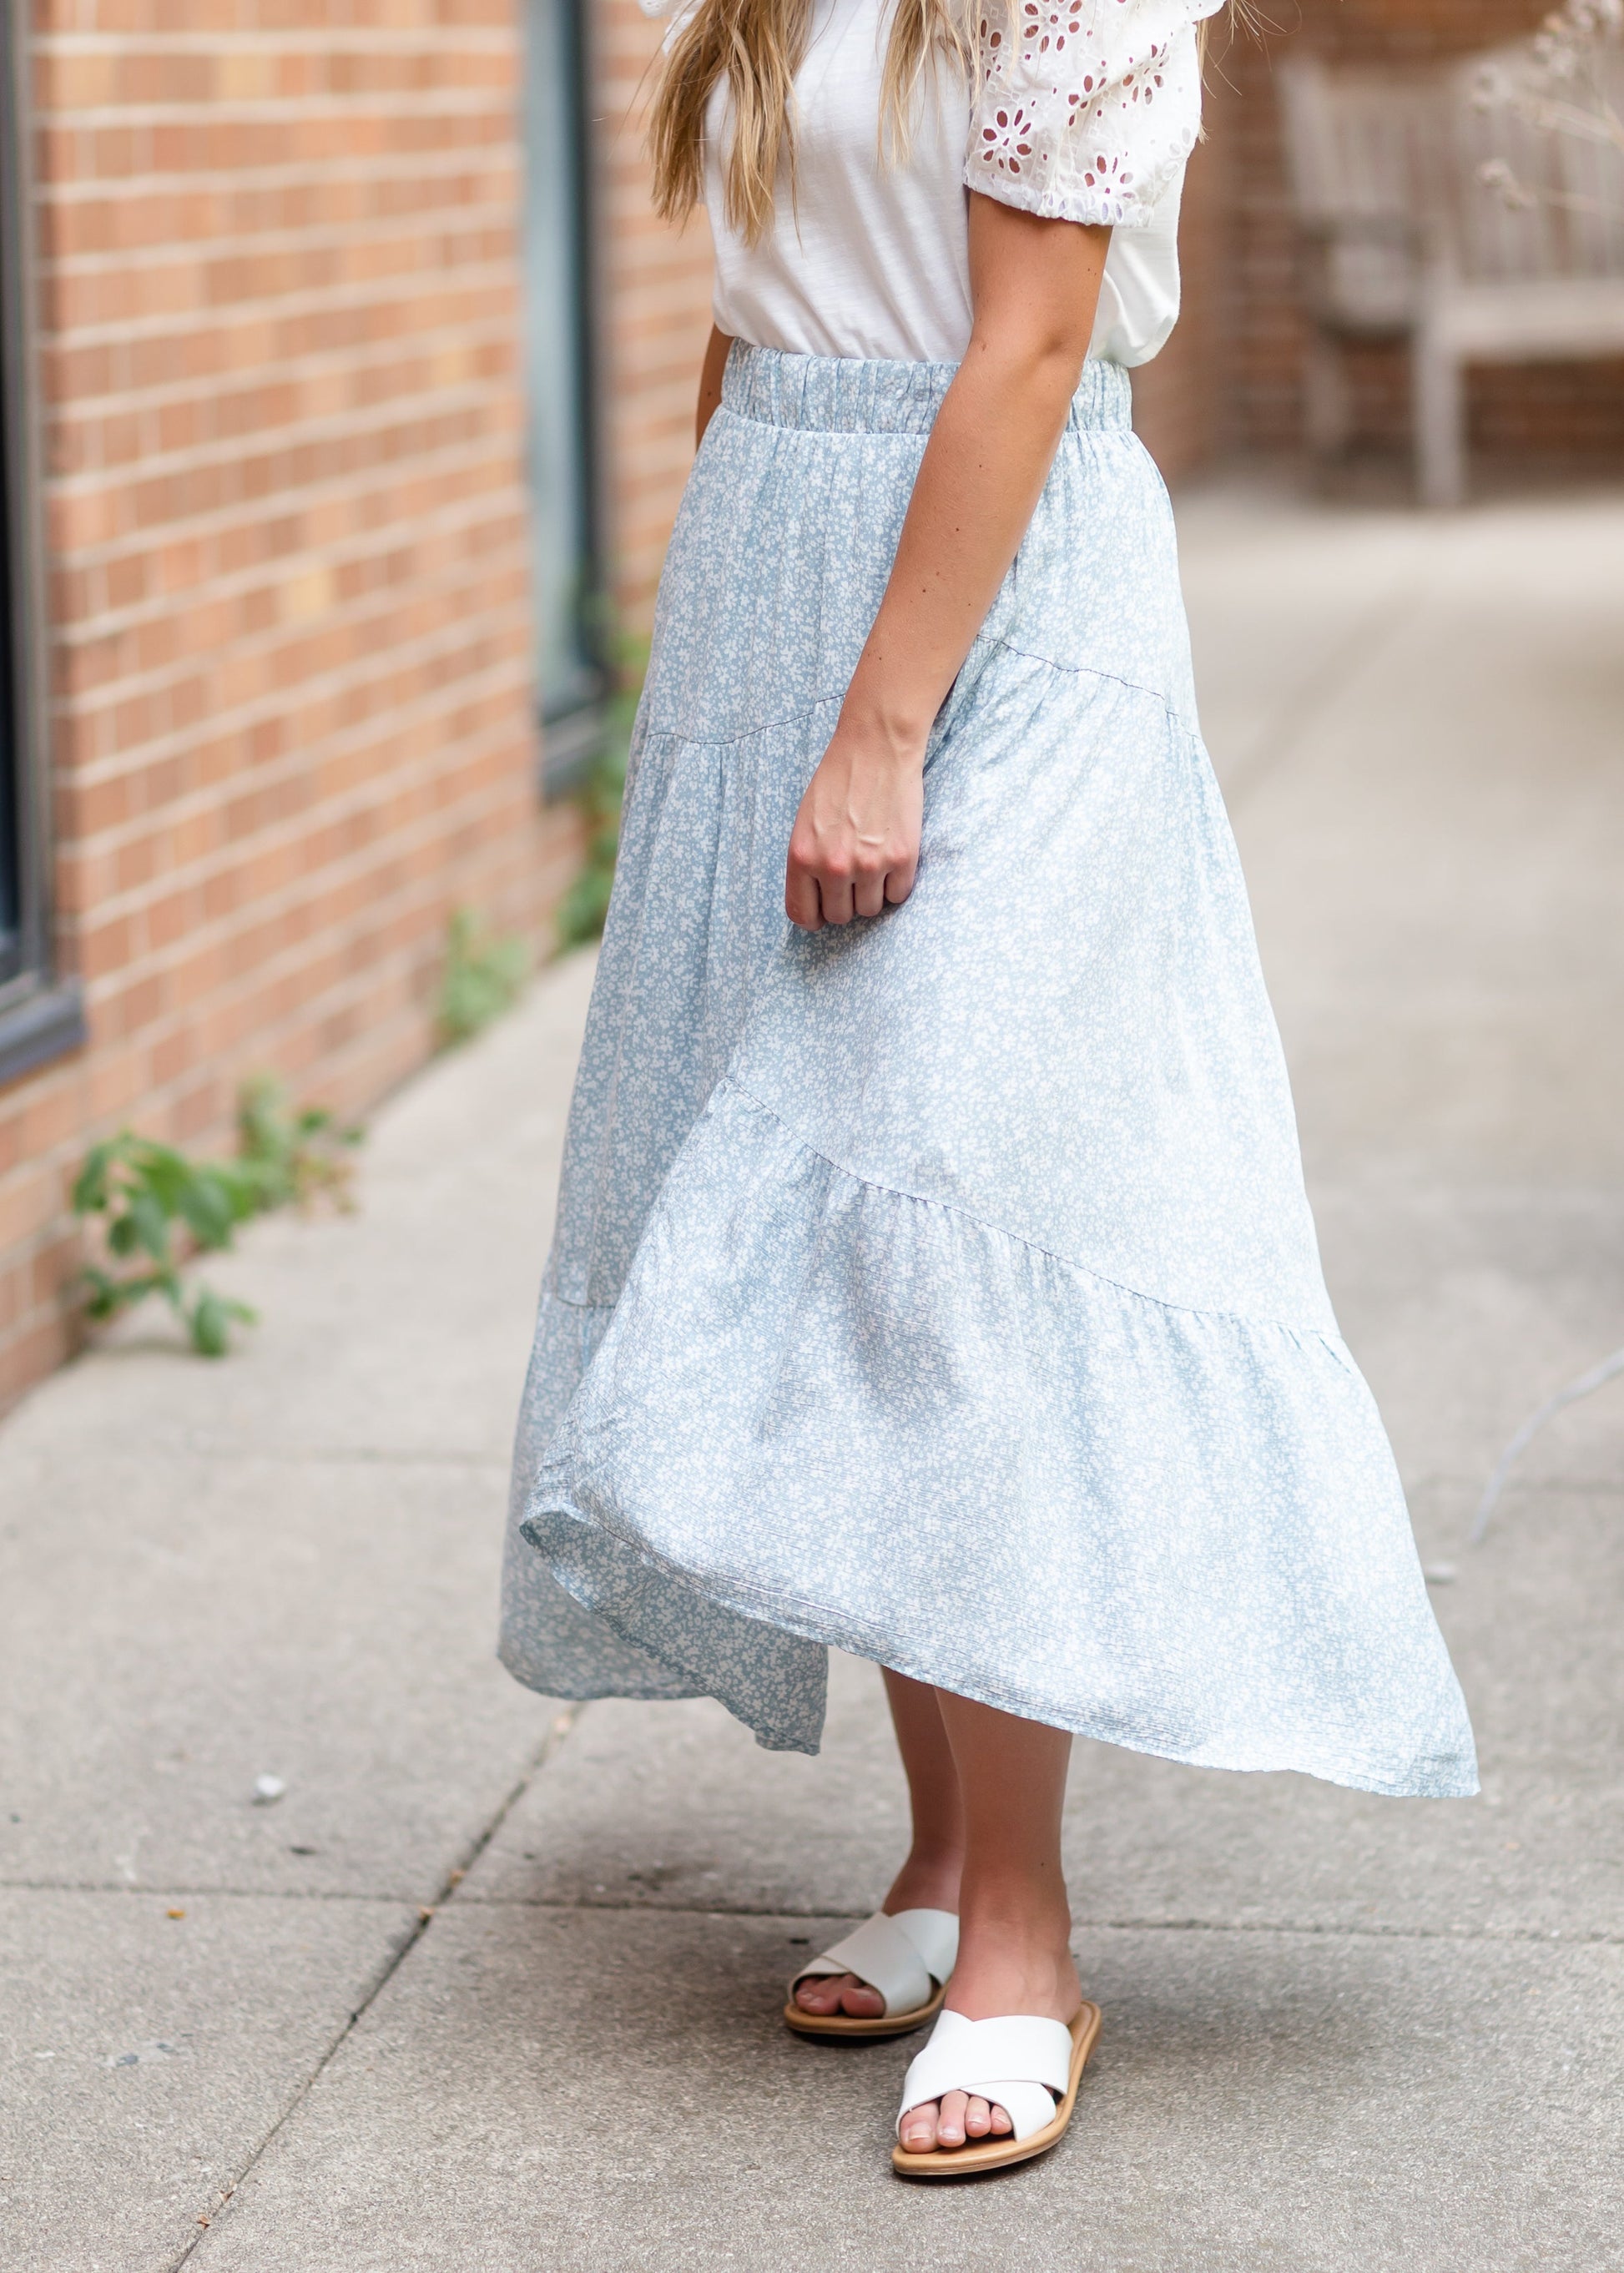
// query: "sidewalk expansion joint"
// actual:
[[334, 1455], [205, 1893], [220, 2204], [1572, 1935]]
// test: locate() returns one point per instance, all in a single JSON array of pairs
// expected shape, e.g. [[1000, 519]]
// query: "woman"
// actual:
[[933, 1275]]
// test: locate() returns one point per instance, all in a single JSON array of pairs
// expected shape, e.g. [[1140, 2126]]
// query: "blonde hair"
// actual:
[[758, 46]]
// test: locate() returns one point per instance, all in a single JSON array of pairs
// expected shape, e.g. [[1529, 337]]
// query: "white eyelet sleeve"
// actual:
[[1087, 110]]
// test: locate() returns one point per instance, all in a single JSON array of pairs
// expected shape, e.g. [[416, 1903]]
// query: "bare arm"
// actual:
[[1034, 285], [711, 383]]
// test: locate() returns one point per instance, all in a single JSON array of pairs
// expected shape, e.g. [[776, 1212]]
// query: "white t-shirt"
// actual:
[[1086, 110]]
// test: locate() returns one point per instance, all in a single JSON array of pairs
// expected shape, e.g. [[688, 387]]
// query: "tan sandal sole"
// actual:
[[848, 2024], [997, 2154]]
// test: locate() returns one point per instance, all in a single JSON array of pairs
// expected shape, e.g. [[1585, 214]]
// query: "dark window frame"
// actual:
[[572, 736], [40, 1015]]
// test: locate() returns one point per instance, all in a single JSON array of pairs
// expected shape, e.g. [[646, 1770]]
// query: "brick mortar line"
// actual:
[[192, 252], [308, 886], [282, 836], [361, 485], [364, 676], [385, 294], [447, 35], [497, 450], [292, 833], [235, 381], [492, 99], [63, 192], [271, 442], [283, 965], [341, 739], [156, 963], [403, 650], [395, 414], [71, 632]]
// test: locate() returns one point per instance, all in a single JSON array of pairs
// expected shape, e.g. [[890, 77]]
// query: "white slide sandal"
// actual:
[[1030, 2068], [906, 1957]]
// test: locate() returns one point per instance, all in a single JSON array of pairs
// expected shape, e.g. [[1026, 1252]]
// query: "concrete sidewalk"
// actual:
[[494, 1984]]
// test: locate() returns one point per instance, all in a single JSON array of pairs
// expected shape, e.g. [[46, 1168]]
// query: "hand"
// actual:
[[856, 842]]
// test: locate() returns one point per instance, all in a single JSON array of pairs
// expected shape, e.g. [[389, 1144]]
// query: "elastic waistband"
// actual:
[[845, 394]]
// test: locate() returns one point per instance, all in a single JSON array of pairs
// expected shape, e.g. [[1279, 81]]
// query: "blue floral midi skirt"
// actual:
[[943, 1287]]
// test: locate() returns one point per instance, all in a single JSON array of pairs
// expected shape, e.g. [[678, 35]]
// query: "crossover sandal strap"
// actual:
[[904, 1957], [1022, 2065]]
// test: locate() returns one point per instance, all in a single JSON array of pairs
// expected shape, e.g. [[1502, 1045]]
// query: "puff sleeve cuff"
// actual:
[[1087, 110]]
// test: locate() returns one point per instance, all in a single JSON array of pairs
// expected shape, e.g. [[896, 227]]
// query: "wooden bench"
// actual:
[[1401, 238]]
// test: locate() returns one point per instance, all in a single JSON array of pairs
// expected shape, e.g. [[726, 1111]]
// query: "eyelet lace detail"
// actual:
[[1087, 108]]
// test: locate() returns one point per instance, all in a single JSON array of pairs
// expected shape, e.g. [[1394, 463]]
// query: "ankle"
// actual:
[[1016, 1913], [928, 1880]]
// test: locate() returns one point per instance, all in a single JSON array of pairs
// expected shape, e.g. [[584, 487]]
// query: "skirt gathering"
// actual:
[[943, 1288]]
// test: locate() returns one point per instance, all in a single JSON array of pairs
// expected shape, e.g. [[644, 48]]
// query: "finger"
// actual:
[[900, 881], [950, 2121], [800, 898], [835, 894], [978, 2119], [868, 895], [919, 2128]]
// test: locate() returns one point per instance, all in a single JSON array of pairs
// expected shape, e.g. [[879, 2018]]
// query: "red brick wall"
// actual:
[[289, 636], [655, 294]]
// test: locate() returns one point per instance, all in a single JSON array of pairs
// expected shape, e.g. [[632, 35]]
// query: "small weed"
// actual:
[[482, 979], [586, 904], [158, 1208], [150, 1195], [296, 1158]]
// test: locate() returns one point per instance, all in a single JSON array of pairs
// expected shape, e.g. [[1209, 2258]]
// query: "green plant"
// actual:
[[586, 904], [294, 1156], [148, 1195], [482, 977], [599, 795]]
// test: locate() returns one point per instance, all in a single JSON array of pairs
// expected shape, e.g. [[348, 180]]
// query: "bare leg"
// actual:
[[928, 1880], [1015, 1922]]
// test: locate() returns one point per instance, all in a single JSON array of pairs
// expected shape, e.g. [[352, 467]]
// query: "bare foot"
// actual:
[[1006, 1967], [923, 1883]]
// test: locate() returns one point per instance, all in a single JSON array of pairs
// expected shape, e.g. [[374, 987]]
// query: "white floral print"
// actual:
[[943, 1287], [1088, 109]]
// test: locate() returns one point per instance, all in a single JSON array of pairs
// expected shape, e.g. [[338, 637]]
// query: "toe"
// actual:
[[1001, 2126], [950, 2120], [978, 2119], [919, 2128], [839, 1992]]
